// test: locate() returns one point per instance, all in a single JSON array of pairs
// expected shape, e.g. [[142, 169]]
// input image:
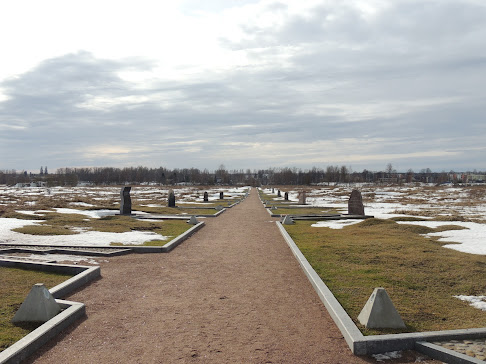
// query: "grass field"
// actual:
[[68, 224], [16, 284], [420, 275]]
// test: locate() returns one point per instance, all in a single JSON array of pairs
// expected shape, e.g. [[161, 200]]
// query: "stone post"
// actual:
[[125, 201], [355, 203], [171, 199]]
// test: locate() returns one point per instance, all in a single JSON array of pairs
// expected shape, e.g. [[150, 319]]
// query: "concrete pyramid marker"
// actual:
[[193, 220], [287, 220], [38, 306], [380, 313]]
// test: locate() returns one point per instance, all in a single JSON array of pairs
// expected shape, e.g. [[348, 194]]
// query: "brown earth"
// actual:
[[232, 293]]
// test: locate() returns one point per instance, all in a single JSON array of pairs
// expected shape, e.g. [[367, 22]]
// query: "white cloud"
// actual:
[[326, 80]]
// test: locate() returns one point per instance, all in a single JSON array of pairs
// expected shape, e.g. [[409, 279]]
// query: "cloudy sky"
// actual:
[[247, 84]]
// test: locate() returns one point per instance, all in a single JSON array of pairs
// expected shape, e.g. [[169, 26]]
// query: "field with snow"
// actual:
[[21, 207], [463, 206]]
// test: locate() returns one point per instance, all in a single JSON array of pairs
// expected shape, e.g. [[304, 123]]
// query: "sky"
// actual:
[[248, 84]]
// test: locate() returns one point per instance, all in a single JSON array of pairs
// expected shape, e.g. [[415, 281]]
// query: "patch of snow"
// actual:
[[478, 302], [387, 356], [470, 240], [84, 204], [336, 224], [95, 214], [36, 212], [84, 238], [64, 257]]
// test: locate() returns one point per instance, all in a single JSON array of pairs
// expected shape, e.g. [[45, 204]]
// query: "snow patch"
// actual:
[[478, 302]]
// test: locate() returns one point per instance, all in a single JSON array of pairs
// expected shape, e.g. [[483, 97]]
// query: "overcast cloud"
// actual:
[[250, 84]]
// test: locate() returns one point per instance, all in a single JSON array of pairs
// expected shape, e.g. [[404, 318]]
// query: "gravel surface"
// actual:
[[232, 293]]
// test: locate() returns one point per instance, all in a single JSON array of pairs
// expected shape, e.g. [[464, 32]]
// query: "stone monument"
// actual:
[[221, 195], [287, 220], [38, 306], [380, 313], [125, 201], [302, 197], [355, 203], [193, 220], [206, 198], [286, 196], [279, 194], [171, 199]]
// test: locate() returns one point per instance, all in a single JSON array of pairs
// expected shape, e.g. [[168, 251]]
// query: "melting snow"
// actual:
[[478, 302]]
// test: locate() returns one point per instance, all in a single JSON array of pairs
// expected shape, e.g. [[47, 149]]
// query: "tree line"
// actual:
[[194, 176]]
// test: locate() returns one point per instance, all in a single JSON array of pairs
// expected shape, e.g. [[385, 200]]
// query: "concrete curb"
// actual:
[[445, 355], [375, 344], [60, 250], [72, 311], [30, 343], [343, 321], [82, 274]]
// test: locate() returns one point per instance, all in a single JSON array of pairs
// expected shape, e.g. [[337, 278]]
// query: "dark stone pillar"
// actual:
[[171, 199], [206, 198], [125, 201], [355, 203]]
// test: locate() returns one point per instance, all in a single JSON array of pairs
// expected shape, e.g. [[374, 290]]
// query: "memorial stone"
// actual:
[[206, 198], [355, 203], [221, 196], [38, 306], [286, 196], [302, 197], [171, 199], [279, 194], [125, 201]]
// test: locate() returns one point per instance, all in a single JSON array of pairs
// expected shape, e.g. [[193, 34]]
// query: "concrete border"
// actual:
[[130, 248], [445, 355], [83, 274], [61, 250], [72, 311], [375, 344], [30, 343]]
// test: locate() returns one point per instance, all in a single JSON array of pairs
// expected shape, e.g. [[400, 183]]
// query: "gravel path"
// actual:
[[232, 293]]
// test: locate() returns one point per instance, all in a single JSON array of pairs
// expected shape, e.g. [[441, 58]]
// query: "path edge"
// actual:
[[72, 311], [375, 344]]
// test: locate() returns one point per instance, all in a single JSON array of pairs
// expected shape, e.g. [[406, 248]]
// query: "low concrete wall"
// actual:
[[30, 343], [72, 311]]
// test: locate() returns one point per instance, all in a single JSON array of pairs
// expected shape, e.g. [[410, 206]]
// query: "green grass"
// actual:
[[15, 285], [418, 273]]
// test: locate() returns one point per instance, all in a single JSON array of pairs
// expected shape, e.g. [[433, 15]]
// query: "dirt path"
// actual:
[[232, 293]]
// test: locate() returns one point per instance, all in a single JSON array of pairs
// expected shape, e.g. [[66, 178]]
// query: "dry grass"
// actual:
[[63, 224], [420, 275], [305, 211], [16, 284]]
